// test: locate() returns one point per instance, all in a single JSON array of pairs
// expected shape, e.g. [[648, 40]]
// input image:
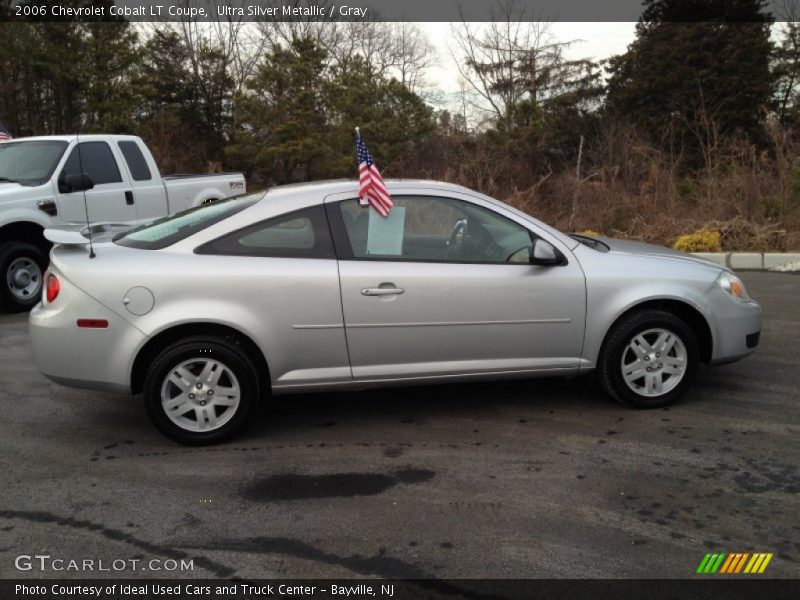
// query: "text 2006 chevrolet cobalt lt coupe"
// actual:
[[304, 289]]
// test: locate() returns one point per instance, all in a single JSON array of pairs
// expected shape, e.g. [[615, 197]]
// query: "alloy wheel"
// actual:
[[654, 362], [200, 395]]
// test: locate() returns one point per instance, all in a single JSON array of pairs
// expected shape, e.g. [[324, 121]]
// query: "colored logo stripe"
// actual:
[[734, 563], [711, 563], [758, 563]]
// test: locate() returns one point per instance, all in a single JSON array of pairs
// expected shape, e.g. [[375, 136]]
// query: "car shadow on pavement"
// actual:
[[498, 399]]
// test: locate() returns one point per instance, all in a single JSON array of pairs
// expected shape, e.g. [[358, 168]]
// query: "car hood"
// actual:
[[641, 249]]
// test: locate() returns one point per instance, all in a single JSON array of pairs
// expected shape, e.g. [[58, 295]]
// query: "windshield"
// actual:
[[29, 163], [169, 230]]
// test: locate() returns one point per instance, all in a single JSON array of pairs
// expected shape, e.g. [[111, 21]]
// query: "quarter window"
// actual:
[[166, 231], [136, 161], [300, 234], [96, 160], [437, 229]]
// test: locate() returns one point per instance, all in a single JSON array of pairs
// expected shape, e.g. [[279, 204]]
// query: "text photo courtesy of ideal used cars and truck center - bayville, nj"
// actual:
[[477, 299]]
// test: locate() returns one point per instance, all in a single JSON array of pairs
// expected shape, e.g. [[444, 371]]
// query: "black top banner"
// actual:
[[355, 10]]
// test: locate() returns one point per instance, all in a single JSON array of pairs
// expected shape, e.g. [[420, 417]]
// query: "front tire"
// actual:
[[649, 359], [22, 268], [200, 391]]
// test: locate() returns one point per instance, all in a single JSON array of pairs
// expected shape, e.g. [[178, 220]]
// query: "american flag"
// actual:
[[371, 187], [4, 134]]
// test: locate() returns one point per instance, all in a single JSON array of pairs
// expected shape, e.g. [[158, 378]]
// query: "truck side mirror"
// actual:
[[75, 182]]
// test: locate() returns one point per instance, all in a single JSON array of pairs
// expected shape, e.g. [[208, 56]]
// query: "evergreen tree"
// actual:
[[283, 131], [297, 117], [695, 62]]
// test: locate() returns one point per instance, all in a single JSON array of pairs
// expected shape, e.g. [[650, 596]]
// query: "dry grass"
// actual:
[[752, 199]]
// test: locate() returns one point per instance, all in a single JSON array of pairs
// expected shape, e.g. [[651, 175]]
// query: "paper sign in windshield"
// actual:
[[385, 234]]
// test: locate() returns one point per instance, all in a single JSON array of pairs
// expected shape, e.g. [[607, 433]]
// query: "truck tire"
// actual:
[[22, 268]]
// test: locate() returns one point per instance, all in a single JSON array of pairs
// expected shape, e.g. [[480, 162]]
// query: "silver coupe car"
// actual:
[[302, 288]]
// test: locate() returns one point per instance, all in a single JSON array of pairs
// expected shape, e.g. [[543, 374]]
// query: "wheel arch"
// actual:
[[25, 231], [161, 340], [681, 309]]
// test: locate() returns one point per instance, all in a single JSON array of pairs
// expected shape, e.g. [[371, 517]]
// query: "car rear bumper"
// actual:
[[92, 358]]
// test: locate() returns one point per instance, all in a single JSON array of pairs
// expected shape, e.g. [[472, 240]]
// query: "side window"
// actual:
[[300, 234], [97, 161], [435, 229], [136, 161]]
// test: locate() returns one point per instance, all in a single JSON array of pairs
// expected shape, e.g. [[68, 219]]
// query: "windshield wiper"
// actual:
[[7, 180]]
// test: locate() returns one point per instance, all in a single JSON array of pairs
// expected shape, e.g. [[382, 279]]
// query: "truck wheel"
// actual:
[[22, 267]]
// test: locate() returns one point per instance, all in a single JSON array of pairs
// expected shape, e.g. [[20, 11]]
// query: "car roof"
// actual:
[[89, 137], [336, 186]]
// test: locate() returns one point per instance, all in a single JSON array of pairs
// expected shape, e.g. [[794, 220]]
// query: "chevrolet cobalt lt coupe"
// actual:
[[303, 289]]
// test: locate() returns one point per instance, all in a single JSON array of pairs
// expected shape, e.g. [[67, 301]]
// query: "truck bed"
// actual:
[[195, 175]]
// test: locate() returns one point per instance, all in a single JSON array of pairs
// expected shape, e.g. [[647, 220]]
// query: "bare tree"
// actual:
[[414, 55], [241, 45], [400, 50], [509, 58]]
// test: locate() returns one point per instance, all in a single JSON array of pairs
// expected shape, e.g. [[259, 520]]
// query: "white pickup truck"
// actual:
[[38, 189]]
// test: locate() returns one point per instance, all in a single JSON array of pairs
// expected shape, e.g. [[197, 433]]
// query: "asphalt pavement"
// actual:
[[525, 479]]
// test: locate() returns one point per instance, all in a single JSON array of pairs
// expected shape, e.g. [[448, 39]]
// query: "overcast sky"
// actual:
[[597, 41]]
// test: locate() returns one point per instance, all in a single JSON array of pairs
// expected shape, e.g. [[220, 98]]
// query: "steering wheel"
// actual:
[[457, 238]]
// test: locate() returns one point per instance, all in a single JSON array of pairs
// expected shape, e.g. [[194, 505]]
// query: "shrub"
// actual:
[[588, 233], [703, 240], [686, 188]]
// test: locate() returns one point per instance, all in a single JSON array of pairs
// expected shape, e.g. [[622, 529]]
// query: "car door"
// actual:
[[444, 287], [110, 200]]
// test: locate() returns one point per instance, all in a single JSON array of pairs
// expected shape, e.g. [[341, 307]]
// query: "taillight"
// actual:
[[53, 287]]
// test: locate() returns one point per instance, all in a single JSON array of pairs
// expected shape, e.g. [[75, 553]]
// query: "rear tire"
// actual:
[[22, 267], [649, 359], [200, 390]]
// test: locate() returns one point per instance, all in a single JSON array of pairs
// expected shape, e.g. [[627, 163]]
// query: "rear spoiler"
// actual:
[[78, 235]]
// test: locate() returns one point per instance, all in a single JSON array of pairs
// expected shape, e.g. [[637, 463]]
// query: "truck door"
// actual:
[[111, 200], [149, 194]]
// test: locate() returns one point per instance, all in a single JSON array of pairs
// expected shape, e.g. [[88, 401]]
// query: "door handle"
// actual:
[[382, 291], [129, 198]]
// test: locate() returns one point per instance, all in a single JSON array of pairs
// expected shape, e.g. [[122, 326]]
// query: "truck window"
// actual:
[[136, 161], [29, 163], [97, 160]]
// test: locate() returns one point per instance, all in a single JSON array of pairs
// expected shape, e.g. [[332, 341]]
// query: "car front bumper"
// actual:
[[737, 330]]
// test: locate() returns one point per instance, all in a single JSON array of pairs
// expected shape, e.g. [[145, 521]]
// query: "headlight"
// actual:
[[733, 285]]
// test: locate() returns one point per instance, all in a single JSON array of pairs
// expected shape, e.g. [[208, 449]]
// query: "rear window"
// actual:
[[136, 161], [169, 230]]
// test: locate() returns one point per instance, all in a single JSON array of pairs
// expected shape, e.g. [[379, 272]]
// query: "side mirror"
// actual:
[[544, 254], [75, 182]]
